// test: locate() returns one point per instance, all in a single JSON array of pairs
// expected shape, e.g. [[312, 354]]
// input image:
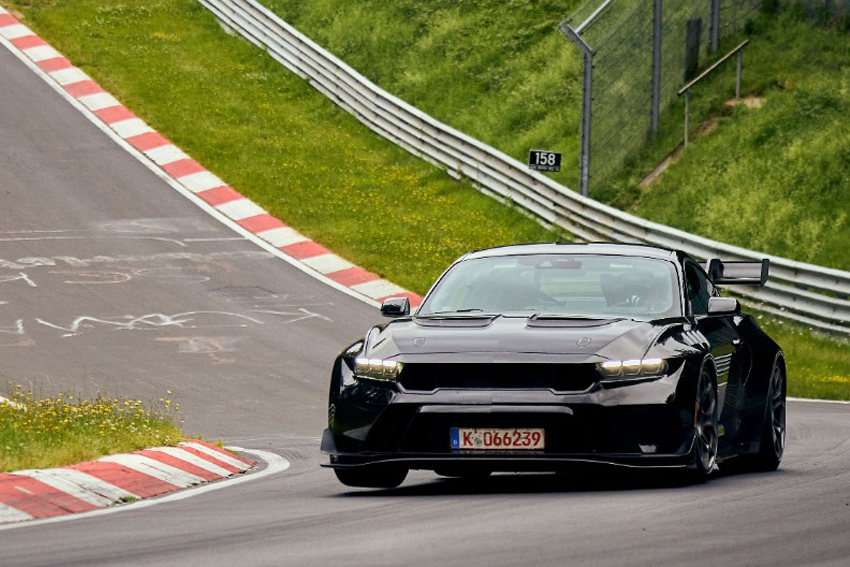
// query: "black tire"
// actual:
[[772, 443], [373, 476], [706, 416]]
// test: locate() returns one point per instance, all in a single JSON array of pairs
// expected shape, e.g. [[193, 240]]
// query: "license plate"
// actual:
[[497, 439]]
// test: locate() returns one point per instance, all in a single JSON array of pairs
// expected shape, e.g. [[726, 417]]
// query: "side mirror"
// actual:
[[723, 306], [395, 307]]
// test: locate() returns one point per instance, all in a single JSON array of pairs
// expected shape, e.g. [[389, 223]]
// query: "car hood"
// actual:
[[511, 338]]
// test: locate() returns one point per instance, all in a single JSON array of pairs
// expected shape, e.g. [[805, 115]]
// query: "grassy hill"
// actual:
[[776, 178]]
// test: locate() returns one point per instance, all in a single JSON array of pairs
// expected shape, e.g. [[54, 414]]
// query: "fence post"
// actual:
[[655, 109], [738, 75], [586, 115], [715, 25], [586, 101], [687, 115]]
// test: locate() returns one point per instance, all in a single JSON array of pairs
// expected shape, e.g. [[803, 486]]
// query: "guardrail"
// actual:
[[813, 295]]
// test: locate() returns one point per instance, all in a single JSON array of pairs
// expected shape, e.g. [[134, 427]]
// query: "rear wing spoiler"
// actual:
[[737, 273]]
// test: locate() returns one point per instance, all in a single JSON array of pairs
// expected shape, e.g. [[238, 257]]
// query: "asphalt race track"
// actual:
[[112, 281]]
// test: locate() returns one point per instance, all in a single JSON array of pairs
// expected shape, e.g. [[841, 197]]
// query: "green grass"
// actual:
[[498, 70], [282, 144], [818, 365], [275, 139], [54, 431]]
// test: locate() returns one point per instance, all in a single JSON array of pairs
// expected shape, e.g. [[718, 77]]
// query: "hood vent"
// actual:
[[457, 322]]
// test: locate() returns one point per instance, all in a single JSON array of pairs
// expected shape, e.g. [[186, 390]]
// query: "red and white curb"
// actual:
[[47, 493], [188, 174]]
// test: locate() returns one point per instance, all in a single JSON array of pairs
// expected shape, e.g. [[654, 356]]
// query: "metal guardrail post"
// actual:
[[687, 115]]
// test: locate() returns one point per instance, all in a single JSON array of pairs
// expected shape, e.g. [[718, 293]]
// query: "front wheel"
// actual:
[[372, 476], [706, 415]]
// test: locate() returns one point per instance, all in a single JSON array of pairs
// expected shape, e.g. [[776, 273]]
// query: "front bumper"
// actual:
[[635, 425], [502, 461]]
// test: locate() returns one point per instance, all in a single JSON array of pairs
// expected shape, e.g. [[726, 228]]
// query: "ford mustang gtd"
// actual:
[[544, 356]]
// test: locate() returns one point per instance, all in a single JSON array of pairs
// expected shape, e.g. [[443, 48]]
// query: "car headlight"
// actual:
[[377, 369], [634, 368]]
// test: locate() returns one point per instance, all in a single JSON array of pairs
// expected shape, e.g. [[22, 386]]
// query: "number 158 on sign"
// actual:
[[543, 160]]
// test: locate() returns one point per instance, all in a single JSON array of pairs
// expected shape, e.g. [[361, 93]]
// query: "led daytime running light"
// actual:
[[632, 368], [376, 368]]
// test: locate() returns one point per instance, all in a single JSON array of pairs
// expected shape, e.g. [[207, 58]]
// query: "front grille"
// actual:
[[520, 376]]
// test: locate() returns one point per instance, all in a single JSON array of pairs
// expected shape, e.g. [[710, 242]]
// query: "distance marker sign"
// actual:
[[543, 160]]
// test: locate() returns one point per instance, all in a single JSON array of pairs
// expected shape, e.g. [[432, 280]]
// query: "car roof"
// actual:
[[602, 248]]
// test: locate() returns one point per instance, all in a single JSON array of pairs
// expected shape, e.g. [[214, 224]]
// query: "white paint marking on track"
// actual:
[[817, 401], [15, 31], [9, 514], [42, 53], [223, 457], [99, 101], [69, 76], [193, 459], [201, 181], [90, 103], [378, 288], [328, 263], [154, 468], [284, 236], [241, 209], [130, 127], [274, 464], [163, 155]]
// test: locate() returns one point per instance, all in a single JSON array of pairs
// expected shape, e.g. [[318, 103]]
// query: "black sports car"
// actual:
[[544, 356]]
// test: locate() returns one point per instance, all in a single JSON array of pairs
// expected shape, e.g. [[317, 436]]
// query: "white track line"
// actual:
[[274, 464], [818, 401]]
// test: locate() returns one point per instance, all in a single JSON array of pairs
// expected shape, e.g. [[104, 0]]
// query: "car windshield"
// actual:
[[556, 285]]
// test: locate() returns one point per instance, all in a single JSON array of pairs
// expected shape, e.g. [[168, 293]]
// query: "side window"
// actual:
[[697, 289]]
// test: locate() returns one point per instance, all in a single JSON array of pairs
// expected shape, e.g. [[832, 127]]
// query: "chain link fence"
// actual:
[[637, 55], [821, 11]]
